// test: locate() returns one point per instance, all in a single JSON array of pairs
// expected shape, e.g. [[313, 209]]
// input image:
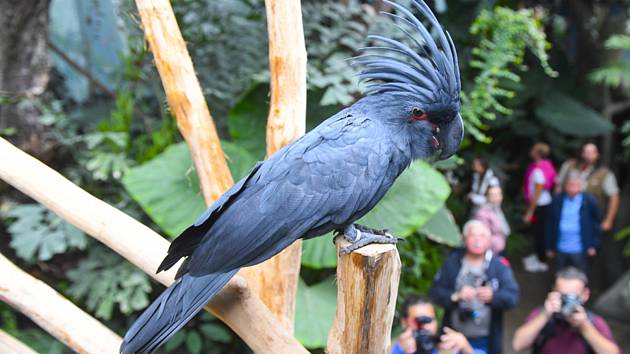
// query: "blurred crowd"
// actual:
[[566, 214]]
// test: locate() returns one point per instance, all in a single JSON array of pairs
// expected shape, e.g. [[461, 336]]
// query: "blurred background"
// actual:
[[79, 91]]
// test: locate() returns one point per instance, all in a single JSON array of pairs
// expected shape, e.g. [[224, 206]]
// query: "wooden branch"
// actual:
[[287, 62], [276, 279], [184, 96], [134, 241], [8, 344], [367, 287], [54, 313]]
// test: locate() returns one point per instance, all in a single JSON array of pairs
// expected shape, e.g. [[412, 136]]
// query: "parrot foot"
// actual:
[[360, 236]]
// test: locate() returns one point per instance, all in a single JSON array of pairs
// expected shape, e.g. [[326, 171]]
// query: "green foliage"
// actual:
[[571, 117], [421, 259], [505, 35], [34, 337], [170, 179], [228, 45], [247, 120], [617, 73], [623, 234], [103, 280], [333, 31], [441, 228], [315, 311], [421, 189], [207, 335], [37, 234]]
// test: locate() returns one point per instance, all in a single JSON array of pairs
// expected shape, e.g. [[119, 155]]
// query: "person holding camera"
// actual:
[[474, 287], [421, 332], [562, 325]]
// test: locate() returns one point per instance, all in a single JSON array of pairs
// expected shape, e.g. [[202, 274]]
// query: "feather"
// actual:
[[395, 67]]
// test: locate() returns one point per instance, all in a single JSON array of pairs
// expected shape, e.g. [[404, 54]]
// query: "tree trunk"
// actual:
[[24, 66], [185, 97], [276, 279]]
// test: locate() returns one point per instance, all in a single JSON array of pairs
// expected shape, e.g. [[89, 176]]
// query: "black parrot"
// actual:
[[323, 181]]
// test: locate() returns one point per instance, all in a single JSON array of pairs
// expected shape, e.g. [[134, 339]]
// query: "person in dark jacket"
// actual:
[[573, 226], [474, 287]]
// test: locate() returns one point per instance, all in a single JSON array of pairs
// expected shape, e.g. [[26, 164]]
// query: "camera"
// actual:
[[570, 304], [425, 340], [467, 314]]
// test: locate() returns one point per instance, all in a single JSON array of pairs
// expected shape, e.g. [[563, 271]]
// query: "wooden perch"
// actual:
[[51, 311], [9, 344], [136, 242], [184, 96], [276, 279], [367, 287]]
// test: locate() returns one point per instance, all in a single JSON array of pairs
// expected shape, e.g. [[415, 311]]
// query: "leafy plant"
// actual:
[[105, 282], [315, 312], [167, 187], [623, 234], [421, 259], [207, 335], [505, 35], [35, 338], [38, 234], [571, 117], [617, 73]]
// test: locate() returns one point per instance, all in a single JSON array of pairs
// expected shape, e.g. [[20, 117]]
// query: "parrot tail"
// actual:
[[171, 311]]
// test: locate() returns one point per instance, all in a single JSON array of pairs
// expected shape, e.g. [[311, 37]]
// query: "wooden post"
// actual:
[[276, 279], [367, 287], [134, 241], [9, 344], [51, 311], [184, 96]]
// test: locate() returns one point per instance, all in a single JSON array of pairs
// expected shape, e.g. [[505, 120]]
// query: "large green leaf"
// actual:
[[319, 252], [414, 198], [247, 121], [442, 228], [571, 117], [315, 312], [167, 187]]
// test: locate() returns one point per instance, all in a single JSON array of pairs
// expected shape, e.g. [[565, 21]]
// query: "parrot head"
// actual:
[[417, 89]]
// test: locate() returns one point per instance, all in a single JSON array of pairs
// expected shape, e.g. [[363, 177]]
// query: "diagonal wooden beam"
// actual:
[[8, 344], [184, 95], [54, 313], [247, 315]]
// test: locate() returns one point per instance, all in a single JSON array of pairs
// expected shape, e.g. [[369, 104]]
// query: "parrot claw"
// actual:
[[360, 236]]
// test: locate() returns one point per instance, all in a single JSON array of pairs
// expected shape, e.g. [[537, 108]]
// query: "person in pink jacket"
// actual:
[[491, 214]]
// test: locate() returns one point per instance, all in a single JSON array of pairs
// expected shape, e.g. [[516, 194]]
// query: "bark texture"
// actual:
[[24, 67], [367, 287]]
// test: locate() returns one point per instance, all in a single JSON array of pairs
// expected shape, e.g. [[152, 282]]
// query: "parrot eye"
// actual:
[[417, 114]]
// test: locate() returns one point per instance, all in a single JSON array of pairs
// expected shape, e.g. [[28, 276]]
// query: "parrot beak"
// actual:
[[450, 136]]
